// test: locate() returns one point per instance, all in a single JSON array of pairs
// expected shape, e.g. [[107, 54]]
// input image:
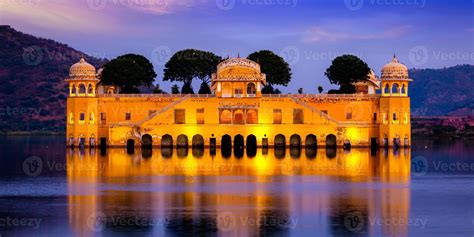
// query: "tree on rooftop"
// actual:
[[346, 70], [278, 71]]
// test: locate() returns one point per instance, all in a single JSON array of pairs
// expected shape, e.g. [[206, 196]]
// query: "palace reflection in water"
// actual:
[[281, 192]]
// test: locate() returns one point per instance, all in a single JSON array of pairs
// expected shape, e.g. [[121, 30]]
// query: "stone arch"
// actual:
[[251, 89], [182, 141], [404, 89], [226, 89], [226, 117], [331, 140], [167, 141], [90, 89], [82, 88], [130, 146], [239, 142], [147, 141], [252, 117], [73, 89], [251, 145], [311, 141], [295, 141], [395, 89], [386, 89], [226, 141], [198, 141], [280, 140], [239, 117]]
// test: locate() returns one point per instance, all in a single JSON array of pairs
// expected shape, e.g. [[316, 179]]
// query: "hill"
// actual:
[[32, 88]]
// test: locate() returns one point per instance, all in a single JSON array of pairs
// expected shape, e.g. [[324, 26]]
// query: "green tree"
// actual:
[[320, 89], [204, 89], [129, 72], [277, 70], [186, 65], [187, 88], [346, 70], [175, 89]]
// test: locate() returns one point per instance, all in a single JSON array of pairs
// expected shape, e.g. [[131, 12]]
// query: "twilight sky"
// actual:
[[307, 33]]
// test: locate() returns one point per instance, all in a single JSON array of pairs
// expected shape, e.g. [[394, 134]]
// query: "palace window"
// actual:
[[375, 117], [82, 117], [252, 116], [179, 116], [348, 116], [71, 118], [128, 116], [225, 117], [102, 118], [298, 117], [277, 116], [239, 117], [200, 116], [91, 118], [395, 118]]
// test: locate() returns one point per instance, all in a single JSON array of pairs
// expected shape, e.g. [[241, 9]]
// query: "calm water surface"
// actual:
[[48, 190]]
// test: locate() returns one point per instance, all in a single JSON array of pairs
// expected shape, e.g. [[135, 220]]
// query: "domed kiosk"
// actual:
[[395, 79], [82, 79]]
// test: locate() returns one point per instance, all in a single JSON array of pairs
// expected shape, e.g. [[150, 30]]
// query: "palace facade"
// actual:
[[237, 113]]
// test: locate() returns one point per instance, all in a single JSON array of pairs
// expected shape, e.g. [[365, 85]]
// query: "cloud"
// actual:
[[161, 7], [321, 34]]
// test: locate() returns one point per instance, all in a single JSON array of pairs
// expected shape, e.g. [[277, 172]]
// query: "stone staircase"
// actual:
[[314, 110], [162, 110]]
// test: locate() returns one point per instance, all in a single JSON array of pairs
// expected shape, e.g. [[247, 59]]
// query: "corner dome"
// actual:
[[82, 69], [394, 70]]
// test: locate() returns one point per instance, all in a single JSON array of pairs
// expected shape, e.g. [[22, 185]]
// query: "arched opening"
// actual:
[[238, 117], [147, 141], [92, 141], [198, 152], [130, 146], [82, 89], [386, 89], [251, 145], [252, 117], [238, 89], [147, 153], [295, 141], [404, 89], [167, 141], [226, 117], [280, 140], [182, 141], [90, 90], [295, 152], [226, 90], [103, 143], [182, 152], [347, 144], [311, 141], [198, 141], [226, 146], [251, 89], [73, 90], [311, 152], [395, 89], [167, 152], [239, 142], [331, 141], [280, 152], [396, 142]]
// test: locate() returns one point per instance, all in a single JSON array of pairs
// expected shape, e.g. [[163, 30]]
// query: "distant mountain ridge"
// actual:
[[33, 92], [32, 88]]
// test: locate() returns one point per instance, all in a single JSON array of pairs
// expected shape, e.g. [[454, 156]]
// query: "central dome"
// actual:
[[82, 69], [394, 70]]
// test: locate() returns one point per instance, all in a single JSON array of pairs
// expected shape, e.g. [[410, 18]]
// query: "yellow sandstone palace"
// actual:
[[238, 114]]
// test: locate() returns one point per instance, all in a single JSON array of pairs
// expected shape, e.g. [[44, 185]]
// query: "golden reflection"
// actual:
[[187, 192]]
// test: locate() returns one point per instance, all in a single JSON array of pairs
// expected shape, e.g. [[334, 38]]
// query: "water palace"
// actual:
[[238, 114]]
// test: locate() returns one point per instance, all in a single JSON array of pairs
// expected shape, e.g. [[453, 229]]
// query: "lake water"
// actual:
[[48, 190]]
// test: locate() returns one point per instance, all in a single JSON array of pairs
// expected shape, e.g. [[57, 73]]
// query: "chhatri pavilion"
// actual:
[[237, 113]]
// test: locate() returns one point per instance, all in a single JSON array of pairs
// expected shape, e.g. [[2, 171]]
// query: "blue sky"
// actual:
[[307, 33]]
